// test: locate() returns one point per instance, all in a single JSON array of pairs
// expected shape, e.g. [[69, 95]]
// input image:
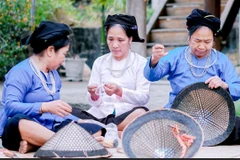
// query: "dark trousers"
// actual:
[[11, 136], [111, 118]]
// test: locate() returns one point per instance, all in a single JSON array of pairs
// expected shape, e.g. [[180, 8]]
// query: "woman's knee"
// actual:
[[23, 123], [136, 113], [26, 126], [139, 111]]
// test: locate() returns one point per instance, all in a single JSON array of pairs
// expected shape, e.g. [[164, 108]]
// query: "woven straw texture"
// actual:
[[212, 108], [72, 141], [150, 135]]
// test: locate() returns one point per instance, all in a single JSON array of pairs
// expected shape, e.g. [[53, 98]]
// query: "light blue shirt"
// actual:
[[23, 93], [176, 68]]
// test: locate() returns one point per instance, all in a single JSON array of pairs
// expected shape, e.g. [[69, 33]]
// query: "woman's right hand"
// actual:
[[92, 90], [57, 107], [157, 53]]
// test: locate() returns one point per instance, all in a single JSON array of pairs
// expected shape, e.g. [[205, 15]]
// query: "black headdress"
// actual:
[[46, 34], [203, 18], [125, 20]]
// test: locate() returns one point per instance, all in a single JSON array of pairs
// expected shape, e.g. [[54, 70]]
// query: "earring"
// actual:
[[214, 44]]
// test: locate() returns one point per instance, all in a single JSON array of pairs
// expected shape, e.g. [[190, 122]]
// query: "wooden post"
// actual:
[[137, 8], [155, 4], [33, 14], [214, 7]]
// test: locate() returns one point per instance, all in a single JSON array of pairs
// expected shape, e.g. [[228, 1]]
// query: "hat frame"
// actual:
[[170, 114], [220, 91], [61, 135]]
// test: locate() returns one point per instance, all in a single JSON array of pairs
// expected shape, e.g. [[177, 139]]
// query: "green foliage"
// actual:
[[12, 25], [150, 12], [85, 15], [15, 21], [237, 107], [56, 10], [92, 13]]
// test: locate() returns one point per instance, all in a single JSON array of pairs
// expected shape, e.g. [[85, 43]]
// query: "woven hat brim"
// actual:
[[152, 131], [72, 154], [212, 108], [72, 141]]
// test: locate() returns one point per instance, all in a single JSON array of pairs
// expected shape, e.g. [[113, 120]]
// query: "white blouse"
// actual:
[[134, 85]]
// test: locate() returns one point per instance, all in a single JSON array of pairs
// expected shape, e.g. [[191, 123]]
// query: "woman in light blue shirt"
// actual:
[[197, 62], [31, 107]]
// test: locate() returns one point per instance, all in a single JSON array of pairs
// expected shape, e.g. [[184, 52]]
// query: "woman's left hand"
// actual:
[[80, 120], [215, 82], [57, 107], [112, 88]]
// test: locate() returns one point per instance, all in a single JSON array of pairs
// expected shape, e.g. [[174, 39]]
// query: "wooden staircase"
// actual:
[[169, 27]]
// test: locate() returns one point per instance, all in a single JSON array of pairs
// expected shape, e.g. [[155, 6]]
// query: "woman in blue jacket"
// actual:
[[197, 62], [31, 107]]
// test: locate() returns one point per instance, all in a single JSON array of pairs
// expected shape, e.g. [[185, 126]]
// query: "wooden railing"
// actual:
[[155, 16], [228, 17]]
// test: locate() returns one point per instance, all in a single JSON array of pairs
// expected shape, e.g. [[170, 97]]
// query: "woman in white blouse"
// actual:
[[118, 90]]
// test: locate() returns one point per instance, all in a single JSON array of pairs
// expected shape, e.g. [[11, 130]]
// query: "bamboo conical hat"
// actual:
[[212, 108], [72, 141], [150, 135]]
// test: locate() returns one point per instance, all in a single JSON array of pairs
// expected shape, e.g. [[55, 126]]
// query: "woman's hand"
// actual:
[[157, 53], [92, 90], [215, 82], [112, 88], [57, 107], [80, 120]]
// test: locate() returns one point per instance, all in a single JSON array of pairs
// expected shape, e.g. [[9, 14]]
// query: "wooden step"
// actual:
[[189, 1], [171, 22], [149, 50], [170, 28], [184, 4], [195, 1], [169, 35], [173, 44], [183, 10], [176, 21], [167, 46], [224, 1]]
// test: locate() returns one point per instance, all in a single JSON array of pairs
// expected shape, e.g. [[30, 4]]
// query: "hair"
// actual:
[[57, 44], [192, 29], [127, 29]]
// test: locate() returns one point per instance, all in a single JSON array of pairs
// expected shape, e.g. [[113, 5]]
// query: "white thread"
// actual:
[[99, 89]]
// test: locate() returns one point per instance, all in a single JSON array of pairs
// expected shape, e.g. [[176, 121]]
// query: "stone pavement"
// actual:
[[75, 93]]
